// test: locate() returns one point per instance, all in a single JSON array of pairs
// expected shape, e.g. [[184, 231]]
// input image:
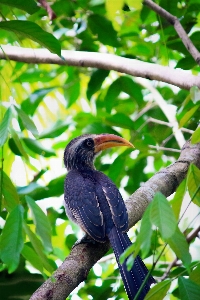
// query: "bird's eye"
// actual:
[[89, 143]]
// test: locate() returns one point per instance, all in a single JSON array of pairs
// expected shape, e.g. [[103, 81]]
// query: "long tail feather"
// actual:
[[134, 278]]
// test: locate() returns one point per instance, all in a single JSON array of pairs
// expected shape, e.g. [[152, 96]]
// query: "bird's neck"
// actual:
[[81, 166]]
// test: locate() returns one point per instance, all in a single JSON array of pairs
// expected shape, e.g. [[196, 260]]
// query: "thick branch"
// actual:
[[179, 78], [83, 256], [177, 26]]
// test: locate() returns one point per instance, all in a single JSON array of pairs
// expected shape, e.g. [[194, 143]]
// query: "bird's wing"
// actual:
[[82, 205], [115, 201]]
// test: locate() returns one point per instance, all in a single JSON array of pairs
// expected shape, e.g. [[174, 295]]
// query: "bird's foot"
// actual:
[[86, 239]]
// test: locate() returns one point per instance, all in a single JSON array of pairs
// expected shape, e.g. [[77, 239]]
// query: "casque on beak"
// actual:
[[104, 141]]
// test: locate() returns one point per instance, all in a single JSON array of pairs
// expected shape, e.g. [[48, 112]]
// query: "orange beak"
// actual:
[[104, 141]]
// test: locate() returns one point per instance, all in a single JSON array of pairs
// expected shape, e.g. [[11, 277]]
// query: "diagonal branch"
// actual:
[[177, 26], [76, 266], [134, 67]]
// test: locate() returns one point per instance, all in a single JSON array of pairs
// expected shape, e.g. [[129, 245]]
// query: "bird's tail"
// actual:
[[134, 278]]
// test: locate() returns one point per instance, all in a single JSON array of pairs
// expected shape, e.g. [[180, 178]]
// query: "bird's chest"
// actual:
[[94, 186]]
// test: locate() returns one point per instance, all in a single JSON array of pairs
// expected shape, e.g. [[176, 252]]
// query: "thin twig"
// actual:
[[159, 148], [47, 7], [173, 20]]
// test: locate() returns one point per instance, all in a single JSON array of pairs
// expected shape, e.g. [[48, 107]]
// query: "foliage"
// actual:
[[44, 106]]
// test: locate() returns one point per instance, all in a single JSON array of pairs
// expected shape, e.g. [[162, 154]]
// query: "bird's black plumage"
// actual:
[[93, 202]]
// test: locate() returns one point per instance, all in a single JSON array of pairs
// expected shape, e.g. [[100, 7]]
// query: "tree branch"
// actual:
[[177, 26], [76, 266], [180, 78], [50, 12]]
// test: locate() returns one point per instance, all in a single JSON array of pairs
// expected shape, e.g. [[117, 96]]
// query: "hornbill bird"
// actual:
[[93, 202]]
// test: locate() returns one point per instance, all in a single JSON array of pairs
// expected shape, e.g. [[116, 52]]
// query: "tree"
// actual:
[[128, 68]]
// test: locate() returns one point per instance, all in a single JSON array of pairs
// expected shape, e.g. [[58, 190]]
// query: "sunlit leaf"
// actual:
[[43, 228], [16, 145], [12, 239], [11, 198], [176, 202], [4, 126], [30, 104], [162, 216], [27, 122], [38, 148], [159, 291], [112, 7], [196, 136], [193, 183], [195, 275], [57, 129], [34, 32], [188, 115], [188, 289], [195, 94]]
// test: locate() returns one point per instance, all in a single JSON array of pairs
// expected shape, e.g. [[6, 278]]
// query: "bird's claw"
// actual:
[[86, 239]]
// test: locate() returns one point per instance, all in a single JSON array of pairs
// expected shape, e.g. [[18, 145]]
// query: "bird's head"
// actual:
[[81, 151]]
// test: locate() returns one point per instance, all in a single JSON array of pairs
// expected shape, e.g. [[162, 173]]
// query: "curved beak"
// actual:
[[104, 141]]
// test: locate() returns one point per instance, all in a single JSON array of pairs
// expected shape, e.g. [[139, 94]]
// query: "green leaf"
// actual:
[[123, 84], [30, 255], [196, 136], [143, 241], [72, 89], [159, 291], [12, 239], [29, 6], [103, 28], [11, 198], [188, 115], [116, 169], [57, 129], [195, 94], [130, 262], [17, 144], [37, 245], [96, 81], [186, 63], [188, 289], [162, 216], [193, 183], [129, 251], [53, 189], [99, 128], [38, 148], [120, 120], [30, 104], [34, 32], [43, 228], [27, 122], [180, 246], [195, 275], [176, 202], [4, 126]]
